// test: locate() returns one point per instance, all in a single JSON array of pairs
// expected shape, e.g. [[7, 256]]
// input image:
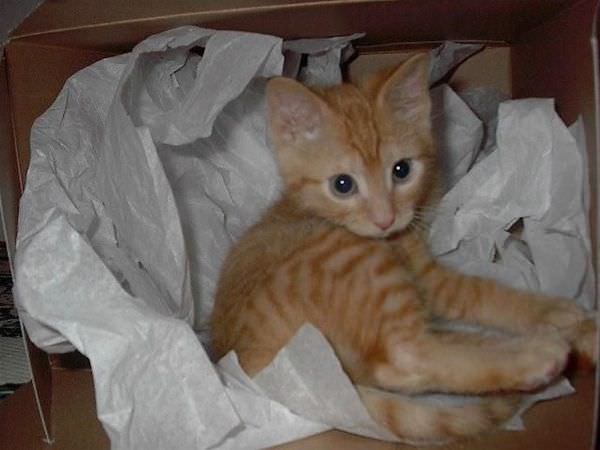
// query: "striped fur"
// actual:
[[372, 292]]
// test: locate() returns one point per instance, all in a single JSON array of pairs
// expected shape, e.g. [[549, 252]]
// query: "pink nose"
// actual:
[[384, 222]]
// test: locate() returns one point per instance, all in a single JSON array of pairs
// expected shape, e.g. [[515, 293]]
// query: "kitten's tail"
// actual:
[[424, 423]]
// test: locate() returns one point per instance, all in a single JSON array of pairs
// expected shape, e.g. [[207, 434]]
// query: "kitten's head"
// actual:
[[360, 156]]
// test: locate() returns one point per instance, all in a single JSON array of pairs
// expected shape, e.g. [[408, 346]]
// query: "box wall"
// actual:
[[118, 25], [555, 60], [33, 91], [73, 415], [10, 190], [490, 67], [28, 94]]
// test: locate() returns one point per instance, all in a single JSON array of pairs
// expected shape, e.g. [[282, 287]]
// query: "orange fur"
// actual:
[[370, 286]]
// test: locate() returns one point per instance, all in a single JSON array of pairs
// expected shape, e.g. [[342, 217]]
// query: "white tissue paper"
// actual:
[[536, 175], [454, 122], [144, 171], [323, 58], [447, 57]]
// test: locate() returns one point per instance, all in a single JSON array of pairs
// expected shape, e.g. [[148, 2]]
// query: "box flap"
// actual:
[[117, 25]]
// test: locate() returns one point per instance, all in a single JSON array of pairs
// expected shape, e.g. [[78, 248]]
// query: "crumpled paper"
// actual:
[[323, 59], [459, 133], [447, 57], [534, 178], [484, 102], [134, 193], [320, 391]]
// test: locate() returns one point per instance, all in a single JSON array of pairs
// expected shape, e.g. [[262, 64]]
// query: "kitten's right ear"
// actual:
[[295, 113], [405, 93]]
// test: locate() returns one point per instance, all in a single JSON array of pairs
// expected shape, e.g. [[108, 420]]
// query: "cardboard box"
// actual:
[[540, 48]]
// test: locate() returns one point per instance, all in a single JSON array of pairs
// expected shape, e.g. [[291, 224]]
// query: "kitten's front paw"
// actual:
[[584, 340], [559, 315], [542, 360], [571, 323]]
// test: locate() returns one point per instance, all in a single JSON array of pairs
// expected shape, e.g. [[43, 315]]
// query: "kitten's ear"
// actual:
[[405, 94], [294, 112]]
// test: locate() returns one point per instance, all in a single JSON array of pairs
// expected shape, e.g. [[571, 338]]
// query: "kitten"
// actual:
[[341, 249]]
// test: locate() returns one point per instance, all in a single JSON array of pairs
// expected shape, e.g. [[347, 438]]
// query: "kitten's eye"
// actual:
[[401, 171], [343, 185]]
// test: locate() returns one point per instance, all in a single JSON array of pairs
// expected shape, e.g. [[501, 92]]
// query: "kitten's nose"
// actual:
[[384, 222]]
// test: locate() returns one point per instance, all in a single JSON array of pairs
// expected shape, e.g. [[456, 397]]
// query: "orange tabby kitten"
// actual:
[[338, 250]]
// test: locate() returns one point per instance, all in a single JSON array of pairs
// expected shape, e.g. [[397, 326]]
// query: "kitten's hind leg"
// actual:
[[425, 423], [453, 362]]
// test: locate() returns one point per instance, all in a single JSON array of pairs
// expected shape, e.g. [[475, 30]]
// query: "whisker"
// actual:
[[425, 216], [433, 209], [420, 226], [429, 213], [418, 230], [423, 227]]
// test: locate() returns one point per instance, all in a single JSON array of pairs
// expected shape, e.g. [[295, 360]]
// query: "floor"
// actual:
[[14, 368]]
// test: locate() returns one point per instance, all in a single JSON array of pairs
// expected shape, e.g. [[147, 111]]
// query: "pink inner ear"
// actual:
[[294, 114]]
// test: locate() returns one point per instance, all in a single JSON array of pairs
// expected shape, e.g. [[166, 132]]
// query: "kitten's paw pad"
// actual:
[[544, 359]]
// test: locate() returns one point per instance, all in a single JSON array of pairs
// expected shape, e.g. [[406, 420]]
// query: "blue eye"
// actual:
[[343, 185], [401, 170]]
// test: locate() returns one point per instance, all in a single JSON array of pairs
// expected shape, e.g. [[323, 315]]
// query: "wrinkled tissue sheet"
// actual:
[[150, 164]]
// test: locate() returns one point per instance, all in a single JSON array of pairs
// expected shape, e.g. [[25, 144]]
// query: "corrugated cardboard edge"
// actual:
[[10, 190], [596, 62]]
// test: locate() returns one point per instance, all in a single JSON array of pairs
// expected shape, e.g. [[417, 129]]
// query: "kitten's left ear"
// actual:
[[295, 113], [405, 94]]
